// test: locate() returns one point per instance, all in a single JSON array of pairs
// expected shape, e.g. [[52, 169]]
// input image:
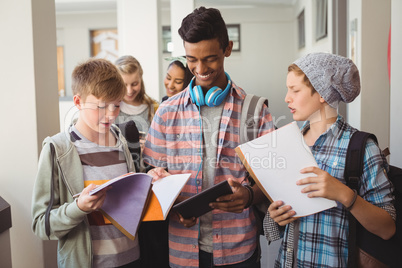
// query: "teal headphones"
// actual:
[[214, 96]]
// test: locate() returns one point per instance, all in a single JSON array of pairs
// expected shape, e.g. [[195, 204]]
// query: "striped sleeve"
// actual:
[[155, 146]]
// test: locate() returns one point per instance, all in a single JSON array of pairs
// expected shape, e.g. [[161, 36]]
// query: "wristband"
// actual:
[[250, 196], [348, 208]]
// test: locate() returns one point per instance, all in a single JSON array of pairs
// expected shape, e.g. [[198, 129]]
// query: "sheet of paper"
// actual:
[[167, 190], [164, 193], [275, 161]]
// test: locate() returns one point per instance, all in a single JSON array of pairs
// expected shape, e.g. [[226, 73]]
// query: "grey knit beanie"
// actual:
[[334, 77]]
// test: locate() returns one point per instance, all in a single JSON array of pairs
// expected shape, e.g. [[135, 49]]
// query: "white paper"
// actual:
[[163, 189], [276, 160]]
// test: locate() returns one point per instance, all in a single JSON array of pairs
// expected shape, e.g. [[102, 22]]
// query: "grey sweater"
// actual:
[[68, 224]]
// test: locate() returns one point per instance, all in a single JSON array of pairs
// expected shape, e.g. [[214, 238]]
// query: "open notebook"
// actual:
[[133, 198]]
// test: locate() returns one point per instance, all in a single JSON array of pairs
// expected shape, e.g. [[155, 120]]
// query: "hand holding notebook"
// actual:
[[133, 198]]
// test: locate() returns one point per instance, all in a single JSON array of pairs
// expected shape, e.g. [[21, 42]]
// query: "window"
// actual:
[[321, 22], [167, 39], [104, 44], [301, 30], [234, 35]]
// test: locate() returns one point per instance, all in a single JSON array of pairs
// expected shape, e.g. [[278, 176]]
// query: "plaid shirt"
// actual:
[[323, 237], [173, 142]]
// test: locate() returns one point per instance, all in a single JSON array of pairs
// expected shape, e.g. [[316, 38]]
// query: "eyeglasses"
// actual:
[[102, 106], [111, 107]]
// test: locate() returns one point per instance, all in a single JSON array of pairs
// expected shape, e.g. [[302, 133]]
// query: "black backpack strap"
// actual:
[[51, 201], [130, 132], [355, 157], [353, 171]]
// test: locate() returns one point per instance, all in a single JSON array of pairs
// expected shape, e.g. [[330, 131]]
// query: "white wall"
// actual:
[[370, 111], [28, 78], [355, 14], [260, 67], [140, 36], [396, 82], [374, 72]]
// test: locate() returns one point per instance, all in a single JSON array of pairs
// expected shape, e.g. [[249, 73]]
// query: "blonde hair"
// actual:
[[129, 65], [100, 78], [294, 68]]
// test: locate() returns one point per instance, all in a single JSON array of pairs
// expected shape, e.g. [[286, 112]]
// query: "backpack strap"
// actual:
[[250, 115], [51, 201], [355, 157], [130, 132], [353, 171]]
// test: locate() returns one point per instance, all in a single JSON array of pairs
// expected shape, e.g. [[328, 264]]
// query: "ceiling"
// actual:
[[84, 6]]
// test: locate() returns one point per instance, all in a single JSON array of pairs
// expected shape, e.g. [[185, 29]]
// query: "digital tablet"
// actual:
[[198, 204]]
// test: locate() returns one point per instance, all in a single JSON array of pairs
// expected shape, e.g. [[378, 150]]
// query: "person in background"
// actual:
[[316, 84], [136, 105], [137, 108], [178, 76]]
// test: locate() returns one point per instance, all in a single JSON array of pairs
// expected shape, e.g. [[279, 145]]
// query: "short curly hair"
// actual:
[[204, 24]]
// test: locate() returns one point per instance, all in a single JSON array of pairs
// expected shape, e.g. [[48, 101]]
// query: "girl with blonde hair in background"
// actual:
[[136, 105]]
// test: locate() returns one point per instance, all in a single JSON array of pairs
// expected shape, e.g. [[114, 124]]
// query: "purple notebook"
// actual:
[[125, 201]]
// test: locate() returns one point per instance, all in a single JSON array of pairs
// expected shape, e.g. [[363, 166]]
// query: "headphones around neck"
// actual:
[[214, 96]]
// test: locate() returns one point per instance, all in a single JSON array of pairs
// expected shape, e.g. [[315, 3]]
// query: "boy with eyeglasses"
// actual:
[[93, 150]]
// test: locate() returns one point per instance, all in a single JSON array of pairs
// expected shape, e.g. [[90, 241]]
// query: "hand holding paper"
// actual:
[[275, 161], [322, 184], [280, 213]]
